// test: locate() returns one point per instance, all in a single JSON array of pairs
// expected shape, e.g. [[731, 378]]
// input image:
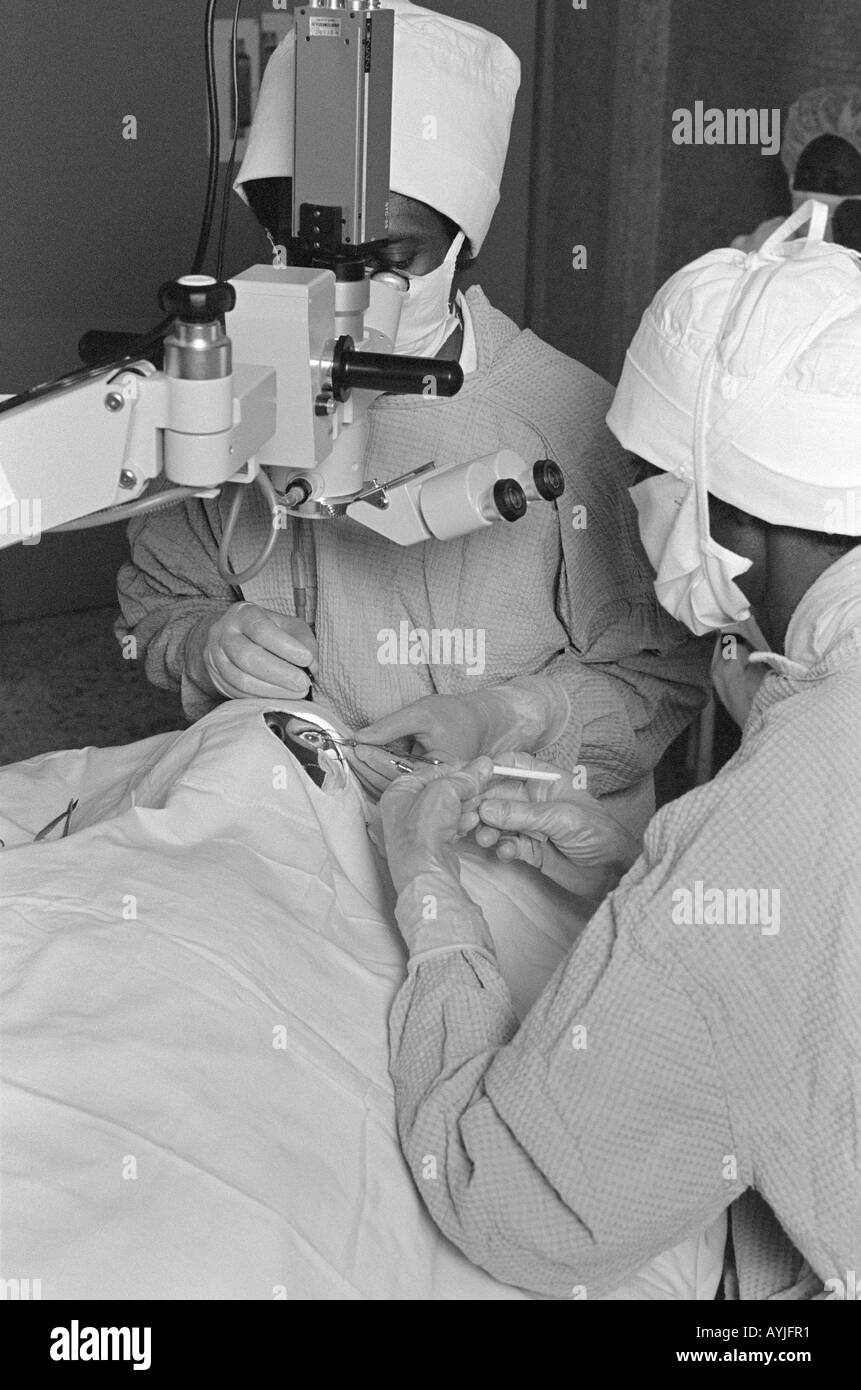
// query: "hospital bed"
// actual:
[[196, 982]]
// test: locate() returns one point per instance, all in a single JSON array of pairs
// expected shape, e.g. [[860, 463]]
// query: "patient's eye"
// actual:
[[313, 748], [315, 737]]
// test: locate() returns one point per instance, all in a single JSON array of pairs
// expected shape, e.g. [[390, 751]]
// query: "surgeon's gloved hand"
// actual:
[[422, 813], [251, 652], [421, 816], [736, 682], [558, 829], [530, 712]]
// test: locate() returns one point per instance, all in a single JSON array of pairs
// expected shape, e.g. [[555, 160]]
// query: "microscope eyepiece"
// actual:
[[549, 480], [509, 499]]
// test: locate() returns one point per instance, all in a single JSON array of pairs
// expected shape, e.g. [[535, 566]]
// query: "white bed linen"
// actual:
[[195, 993]]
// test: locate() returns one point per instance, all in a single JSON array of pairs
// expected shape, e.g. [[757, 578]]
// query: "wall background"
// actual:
[[93, 223], [606, 172]]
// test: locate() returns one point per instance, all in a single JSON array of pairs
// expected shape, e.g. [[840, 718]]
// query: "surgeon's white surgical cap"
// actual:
[[452, 105], [822, 111], [748, 368]]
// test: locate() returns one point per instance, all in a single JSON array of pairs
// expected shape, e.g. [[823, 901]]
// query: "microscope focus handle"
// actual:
[[405, 376]]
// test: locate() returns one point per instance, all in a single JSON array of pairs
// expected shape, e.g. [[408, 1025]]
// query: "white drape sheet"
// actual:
[[195, 992]]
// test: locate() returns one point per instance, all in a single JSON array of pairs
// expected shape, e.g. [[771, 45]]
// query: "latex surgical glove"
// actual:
[[250, 652], [530, 712], [421, 818], [422, 813], [736, 682], [564, 832]]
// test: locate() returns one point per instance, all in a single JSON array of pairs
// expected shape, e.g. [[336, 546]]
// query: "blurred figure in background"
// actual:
[[821, 153]]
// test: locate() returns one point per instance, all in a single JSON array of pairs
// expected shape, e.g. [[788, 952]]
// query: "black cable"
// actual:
[[153, 335], [231, 163], [214, 141], [82, 374]]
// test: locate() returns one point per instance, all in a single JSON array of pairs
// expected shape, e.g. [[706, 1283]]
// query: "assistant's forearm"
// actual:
[[569, 1151], [625, 714]]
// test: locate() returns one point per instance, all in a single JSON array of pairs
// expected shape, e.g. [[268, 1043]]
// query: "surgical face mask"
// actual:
[[694, 575], [427, 319], [832, 202]]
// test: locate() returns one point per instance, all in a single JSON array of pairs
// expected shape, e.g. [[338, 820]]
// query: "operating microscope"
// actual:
[[267, 379]]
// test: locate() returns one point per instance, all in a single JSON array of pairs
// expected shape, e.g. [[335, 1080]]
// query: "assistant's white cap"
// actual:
[[747, 370], [454, 90]]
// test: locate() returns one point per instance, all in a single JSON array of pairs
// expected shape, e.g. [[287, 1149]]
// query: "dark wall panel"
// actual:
[[743, 54], [607, 172], [571, 187], [92, 223]]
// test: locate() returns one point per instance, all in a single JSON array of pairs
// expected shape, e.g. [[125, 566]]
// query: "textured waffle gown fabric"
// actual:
[[681, 1060], [552, 595]]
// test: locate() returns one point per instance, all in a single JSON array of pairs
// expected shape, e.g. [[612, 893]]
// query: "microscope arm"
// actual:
[[98, 445], [302, 416]]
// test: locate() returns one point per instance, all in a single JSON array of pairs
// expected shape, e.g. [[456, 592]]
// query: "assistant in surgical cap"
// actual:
[[756, 360], [453, 99]]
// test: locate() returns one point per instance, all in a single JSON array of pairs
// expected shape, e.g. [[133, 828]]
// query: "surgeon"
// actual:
[[821, 153], [699, 1048], [570, 652]]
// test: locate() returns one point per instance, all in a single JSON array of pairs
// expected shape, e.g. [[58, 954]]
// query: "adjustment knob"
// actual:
[[548, 479], [197, 298], [509, 499]]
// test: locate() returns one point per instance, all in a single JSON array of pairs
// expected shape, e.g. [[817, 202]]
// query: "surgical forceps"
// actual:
[[321, 738], [65, 817]]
